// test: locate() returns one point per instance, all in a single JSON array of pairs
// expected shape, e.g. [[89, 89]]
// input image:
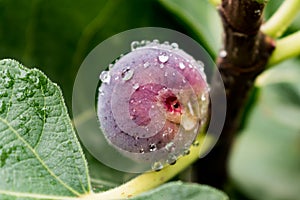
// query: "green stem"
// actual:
[[215, 2], [150, 180], [286, 47], [282, 18]]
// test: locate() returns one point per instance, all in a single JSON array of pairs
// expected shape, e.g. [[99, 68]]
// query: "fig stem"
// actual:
[[281, 19], [286, 47], [150, 180], [246, 51]]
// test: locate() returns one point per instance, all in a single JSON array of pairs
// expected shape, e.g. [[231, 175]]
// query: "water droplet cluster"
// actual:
[[153, 102]]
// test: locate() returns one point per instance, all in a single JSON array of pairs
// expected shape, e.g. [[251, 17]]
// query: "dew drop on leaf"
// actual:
[[8, 82], [2, 106], [3, 94], [23, 74], [20, 96], [23, 118]]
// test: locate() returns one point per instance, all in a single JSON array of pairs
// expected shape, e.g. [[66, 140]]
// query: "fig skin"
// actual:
[[152, 97]]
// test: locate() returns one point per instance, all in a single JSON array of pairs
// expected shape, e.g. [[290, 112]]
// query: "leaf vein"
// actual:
[[39, 159], [34, 196]]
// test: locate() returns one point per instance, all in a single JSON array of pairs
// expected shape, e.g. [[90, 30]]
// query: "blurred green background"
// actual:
[[55, 36]]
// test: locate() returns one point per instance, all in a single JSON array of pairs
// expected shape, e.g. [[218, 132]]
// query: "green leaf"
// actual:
[[57, 35], [40, 157], [103, 177], [180, 191], [202, 18], [265, 159], [283, 92]]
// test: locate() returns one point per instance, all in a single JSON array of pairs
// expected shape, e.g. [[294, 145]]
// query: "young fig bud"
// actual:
[[153, 102]]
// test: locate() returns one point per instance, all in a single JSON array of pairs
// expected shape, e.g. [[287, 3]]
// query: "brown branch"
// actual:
[[246, 52]]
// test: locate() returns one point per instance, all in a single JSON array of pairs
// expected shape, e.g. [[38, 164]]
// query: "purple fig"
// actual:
[[153, 102]]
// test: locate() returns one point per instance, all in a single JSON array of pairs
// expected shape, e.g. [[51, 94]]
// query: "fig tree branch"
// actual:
[[244, 56]]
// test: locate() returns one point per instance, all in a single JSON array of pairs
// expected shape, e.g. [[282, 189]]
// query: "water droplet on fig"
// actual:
[[146, 64], [166, 43], [155, 41], [152, 147], [127, 74], [163, 58], [170, 130], [157, 166], [110, 66], [143, 42], [203, 97], [142, 150], [200, 63], [174, 45], [105, 77], [161, 66], [172, 159], [136, 86], [188, 122], [170, 147], [101, 92], [134, 45], [181, 65]]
